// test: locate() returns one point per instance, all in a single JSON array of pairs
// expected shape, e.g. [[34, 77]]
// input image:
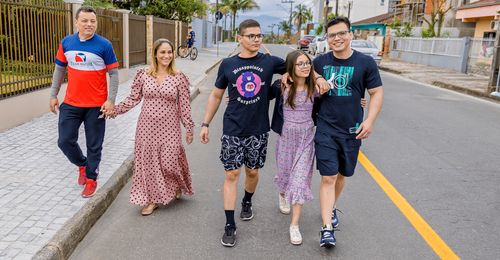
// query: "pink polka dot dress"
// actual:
[[160, 164]]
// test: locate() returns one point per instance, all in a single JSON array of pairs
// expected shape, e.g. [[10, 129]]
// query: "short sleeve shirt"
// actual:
[[341, 113], [248, 81], [87, 62]]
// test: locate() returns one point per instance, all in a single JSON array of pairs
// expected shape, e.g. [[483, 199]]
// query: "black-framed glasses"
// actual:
[[304, 64], [341, 34], [253, 37]]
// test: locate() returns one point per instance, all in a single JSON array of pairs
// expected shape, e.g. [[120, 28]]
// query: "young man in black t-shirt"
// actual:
[[340, 125], [248, 78]]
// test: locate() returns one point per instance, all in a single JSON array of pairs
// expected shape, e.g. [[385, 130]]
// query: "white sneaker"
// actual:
[[295, 236], [284, 205]]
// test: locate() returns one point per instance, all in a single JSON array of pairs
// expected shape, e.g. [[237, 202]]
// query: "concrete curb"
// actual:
[[64, 242], [463, 90], [74, 230], [441, 84]]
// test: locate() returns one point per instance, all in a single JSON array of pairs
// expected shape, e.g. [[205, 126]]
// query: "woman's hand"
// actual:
[[189, 137]]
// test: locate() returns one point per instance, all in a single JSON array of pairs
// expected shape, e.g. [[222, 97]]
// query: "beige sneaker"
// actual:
[[148, 210], [284, 205], [295, 236]]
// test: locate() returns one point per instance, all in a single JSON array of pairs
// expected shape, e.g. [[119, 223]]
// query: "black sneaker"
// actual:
[[246, 211], [229, 237]]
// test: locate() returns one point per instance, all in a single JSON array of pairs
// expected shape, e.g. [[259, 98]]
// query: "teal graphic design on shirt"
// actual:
[[339, 78]]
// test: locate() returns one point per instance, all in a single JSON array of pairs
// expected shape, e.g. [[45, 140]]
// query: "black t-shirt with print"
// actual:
[[249, 80], [341, 113]]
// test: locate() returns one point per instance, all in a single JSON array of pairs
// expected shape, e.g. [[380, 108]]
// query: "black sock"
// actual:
[[248, 197], [230, 217]]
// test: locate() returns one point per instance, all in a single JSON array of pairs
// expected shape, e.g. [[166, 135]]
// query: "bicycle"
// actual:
[[183, 51]]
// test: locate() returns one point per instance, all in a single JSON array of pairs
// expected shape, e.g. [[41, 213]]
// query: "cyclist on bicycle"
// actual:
[[190, 37]]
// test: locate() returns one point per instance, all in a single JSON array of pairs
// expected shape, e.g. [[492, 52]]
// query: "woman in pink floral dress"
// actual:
[[161, 171]]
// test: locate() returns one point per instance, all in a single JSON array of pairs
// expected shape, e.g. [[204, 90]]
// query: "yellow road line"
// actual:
[[424, 229]]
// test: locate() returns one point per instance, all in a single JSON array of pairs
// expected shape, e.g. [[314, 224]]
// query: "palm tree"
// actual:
[[301, 15], [285, 26], [237, 5]]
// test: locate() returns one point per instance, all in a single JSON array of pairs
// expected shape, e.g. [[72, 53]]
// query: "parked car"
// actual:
[[313, 46], [322, 47], [369, 48], [303, 43]]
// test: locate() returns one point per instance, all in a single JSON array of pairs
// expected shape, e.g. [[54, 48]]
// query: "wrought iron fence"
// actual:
[[30, 33]]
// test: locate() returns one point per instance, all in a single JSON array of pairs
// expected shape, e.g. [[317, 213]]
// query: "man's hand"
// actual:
[[108, 109], [285, 79], [189, 137], [54, 105], [364, 130], [322, 85], [204, 135]]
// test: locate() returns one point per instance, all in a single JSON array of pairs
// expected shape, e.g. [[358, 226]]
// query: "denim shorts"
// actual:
[[248, 150]]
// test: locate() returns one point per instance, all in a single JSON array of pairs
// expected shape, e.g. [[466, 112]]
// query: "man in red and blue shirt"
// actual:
[[87, 57]]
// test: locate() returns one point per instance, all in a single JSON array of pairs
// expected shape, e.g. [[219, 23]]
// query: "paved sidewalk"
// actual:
[[38, 188], [474, 85]]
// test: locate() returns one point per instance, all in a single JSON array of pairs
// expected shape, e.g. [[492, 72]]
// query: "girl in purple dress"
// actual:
[[295, 145]]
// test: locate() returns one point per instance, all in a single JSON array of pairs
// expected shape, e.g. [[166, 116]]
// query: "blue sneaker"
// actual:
[[327, 238], [335, 219]]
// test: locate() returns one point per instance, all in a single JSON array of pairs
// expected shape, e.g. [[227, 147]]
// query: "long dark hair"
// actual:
[[291, 59]]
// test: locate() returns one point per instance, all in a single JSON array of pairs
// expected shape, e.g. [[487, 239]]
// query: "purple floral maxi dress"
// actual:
[[160, 164], [295, 150]]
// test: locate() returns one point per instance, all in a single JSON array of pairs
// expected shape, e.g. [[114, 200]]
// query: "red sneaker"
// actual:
[[90, 187], [81, 176]]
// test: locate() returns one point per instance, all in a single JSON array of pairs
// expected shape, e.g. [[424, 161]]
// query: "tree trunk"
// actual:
[[234, 25]]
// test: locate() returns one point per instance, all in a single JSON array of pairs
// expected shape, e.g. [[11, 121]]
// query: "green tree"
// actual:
[[107, 4], [238, 5], [301, 15], [182, 10], [285, 26], [436, 17]]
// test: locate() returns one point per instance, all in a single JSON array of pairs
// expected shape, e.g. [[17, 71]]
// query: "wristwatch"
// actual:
[[204, 124]]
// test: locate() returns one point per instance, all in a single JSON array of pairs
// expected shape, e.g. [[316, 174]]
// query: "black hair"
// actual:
[[85, 9], [337, 20], [248, 23]]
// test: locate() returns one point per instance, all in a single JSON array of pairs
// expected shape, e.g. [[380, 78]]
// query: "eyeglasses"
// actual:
[[253, 37], [341, 34], [303, 64]]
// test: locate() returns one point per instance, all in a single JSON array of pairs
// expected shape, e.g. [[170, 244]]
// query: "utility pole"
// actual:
[[327, 2], [336, 8], [349, 6]]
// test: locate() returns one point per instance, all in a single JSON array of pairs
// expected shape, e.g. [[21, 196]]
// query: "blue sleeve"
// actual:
[[279, 65], [372, 75], [221, 81], [317, 65], [109, 56]]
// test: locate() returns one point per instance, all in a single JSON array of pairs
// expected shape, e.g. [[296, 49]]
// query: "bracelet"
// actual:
[[319, 77], [204, 124]]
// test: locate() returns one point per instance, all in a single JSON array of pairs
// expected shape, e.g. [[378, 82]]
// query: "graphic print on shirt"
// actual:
[[87, 61], [248, 84], [339, 78]]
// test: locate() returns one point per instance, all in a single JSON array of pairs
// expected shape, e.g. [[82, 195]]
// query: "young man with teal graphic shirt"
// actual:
[[247, 76], [340, 125]]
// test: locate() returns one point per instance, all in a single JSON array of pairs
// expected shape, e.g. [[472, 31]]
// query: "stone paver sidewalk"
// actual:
[[38, 187]]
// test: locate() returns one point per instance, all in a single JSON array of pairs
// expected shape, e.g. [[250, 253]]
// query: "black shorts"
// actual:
[[248, 150], [336, 155]]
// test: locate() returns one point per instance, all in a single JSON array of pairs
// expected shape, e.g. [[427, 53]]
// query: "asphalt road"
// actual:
[[439, 149]]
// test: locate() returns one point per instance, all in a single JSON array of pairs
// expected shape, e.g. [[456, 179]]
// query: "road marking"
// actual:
[[424, 229]]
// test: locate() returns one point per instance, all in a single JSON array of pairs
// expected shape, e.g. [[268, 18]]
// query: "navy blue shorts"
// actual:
[[336, 155], [248, 150]]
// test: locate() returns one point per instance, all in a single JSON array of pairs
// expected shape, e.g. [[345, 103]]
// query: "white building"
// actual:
[[355, 9], [362, 9]]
